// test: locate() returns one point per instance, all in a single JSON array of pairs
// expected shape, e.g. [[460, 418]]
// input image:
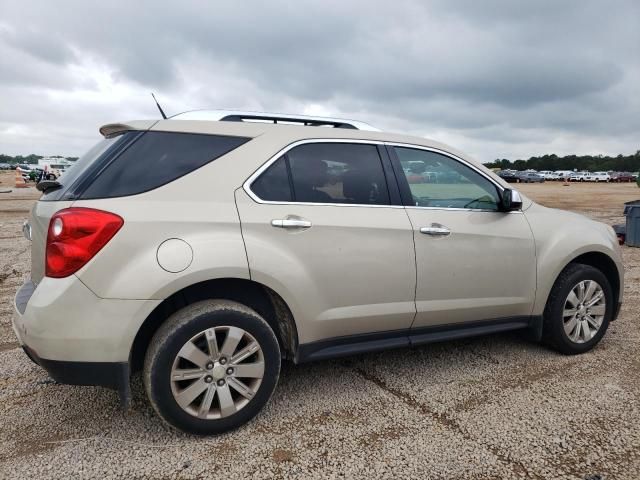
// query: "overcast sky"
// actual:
[[497, 79]]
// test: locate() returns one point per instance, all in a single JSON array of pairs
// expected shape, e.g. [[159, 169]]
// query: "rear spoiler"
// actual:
[[111, 129]]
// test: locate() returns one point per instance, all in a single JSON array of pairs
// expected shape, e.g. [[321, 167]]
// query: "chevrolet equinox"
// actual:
[[205, 249]]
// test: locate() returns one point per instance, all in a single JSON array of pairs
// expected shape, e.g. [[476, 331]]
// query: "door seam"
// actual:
[[415, 262], [244, 243]]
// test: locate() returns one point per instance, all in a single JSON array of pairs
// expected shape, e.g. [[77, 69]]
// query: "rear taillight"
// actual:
[[75, 236]]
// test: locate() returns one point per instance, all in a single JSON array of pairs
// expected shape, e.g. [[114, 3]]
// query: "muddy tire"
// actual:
[[578, 310], [211, 367]]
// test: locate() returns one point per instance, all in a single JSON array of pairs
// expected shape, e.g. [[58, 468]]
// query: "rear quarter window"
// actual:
[[155, 159]]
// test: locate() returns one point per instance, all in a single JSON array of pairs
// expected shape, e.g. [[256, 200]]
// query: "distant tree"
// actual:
[[620, 163]]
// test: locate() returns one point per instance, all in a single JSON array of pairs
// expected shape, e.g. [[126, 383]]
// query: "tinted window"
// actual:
[[85, 165], [157, 158], [337, 173], [273, 184], [436, 180]]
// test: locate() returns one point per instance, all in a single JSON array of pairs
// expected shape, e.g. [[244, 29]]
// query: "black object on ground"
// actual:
[[621, 231]]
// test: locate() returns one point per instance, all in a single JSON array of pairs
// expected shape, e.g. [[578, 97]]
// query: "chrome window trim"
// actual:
[[447, 154], [460, 160], [246, 186]]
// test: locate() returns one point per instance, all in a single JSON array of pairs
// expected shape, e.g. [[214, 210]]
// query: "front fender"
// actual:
[[560, 238]]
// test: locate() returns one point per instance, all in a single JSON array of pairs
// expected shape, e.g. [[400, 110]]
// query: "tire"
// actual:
[[191, 327], [554, 332]]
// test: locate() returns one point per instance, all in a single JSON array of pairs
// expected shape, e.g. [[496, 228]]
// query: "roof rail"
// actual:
[[239, 116]]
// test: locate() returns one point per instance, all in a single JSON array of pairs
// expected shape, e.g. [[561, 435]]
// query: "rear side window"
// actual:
[[87, 165], [348, 173], [155, 159], [273, 185]]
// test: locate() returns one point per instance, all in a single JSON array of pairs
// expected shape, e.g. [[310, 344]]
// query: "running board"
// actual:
[[378, 341]]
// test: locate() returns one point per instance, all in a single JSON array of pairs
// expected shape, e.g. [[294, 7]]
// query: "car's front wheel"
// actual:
[[211, 367], [578, 310]]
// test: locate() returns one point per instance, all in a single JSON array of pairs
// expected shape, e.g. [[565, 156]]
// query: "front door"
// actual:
[[474, 262], [320, 229]]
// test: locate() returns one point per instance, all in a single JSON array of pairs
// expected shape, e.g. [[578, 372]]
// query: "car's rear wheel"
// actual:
[[578, 310], [211, 367]]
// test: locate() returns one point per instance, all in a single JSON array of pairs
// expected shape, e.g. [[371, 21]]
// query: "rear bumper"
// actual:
[[62, 320], [114, 375], [77, 337]]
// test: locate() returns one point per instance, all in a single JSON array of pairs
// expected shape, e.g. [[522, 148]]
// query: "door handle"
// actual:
[[290, 223], [436, 230]]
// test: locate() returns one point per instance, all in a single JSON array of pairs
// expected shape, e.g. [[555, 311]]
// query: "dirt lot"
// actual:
[[493, 407]]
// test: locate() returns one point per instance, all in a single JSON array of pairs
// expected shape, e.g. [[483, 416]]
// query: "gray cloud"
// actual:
[[498, 78]]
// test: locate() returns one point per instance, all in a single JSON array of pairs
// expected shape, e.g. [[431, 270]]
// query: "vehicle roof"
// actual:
[[287, 133], [238, 116]]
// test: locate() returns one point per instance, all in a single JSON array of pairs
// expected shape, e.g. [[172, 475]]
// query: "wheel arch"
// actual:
[[605, 264], [265, 301], [598, 260]]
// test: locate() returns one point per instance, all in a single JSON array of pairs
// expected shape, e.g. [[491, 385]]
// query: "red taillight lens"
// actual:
[[75, 236]]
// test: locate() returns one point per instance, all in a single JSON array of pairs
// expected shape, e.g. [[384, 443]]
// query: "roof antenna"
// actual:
[[159, 107]]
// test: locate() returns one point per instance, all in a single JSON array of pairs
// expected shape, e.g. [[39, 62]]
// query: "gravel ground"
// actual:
[[492, 407]]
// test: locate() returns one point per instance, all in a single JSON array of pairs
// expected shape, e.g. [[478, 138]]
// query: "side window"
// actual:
[[157, 158], [273, 185], [338, 173], [436, 180]]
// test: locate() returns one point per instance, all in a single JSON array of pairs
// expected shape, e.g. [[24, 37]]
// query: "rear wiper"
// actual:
[[46, 185]]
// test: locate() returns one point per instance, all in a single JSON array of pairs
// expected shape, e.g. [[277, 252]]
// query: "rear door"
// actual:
[[325, 229], [474, 262]]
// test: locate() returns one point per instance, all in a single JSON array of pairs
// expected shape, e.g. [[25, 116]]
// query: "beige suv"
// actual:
[[207, 248]]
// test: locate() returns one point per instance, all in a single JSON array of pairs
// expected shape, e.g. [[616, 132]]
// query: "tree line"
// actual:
[[593, 163]]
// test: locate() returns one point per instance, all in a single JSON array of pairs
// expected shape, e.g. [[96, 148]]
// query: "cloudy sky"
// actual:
[[497, 79]]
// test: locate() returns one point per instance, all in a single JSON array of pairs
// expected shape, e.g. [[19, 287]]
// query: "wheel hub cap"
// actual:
[[217, 372], [584, 311]]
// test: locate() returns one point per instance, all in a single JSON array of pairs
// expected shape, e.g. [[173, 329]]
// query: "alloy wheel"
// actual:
[[217, 372], [584, 310]]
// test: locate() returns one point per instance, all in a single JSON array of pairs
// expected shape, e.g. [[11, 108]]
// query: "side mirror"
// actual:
[[511, 200]]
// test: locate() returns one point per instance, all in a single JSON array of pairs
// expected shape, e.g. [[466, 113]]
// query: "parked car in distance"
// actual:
[[622, 177], [26, 171], [564, 174], [578, 176], [41, 173], [244, 249], [549, 175], [510, 176], [530, 177], [597, 177]]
